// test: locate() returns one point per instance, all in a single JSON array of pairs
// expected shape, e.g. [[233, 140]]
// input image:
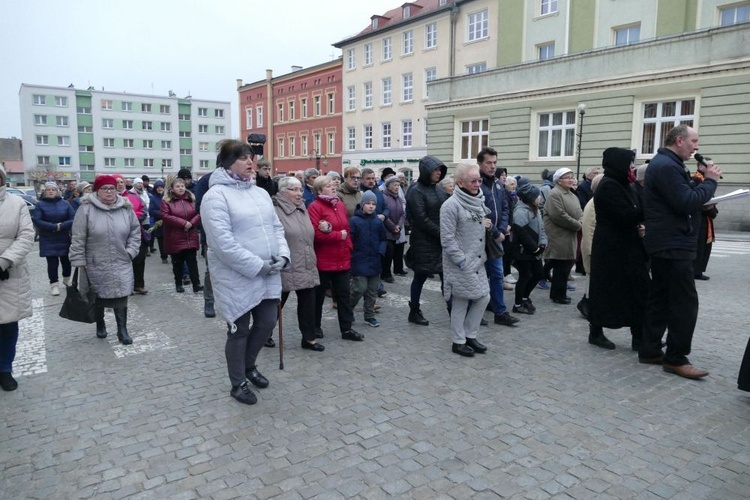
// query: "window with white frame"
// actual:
[[626, 35], [280, 111], [109, 162], [218, 113], [202, 111], [61, 101], [108, 123], [387, 84], [292, 146], [165, 126], [164, 109], [734, 14], [127, 124], [386, 135], [202, 129], [202, 146], [351, 98], [280, 147], [145, 107], [368, 54], [351, 59], [64, 161], [63, 140], [126, 106], [408, 46], [407, 133], [545, 51], [166, 145], [40, 119], [387, 49], [85, 149], [219, 129], [39, 100], [476, 68], [106, 104], [292, 111], [367, 131], [368, 95], [42, 160], [259, 116], [166, 163], [62, 121], [556, 134], [148, 162], [408, 87], [316, 141], [430, 41], [659, 117], [42, 140], [248, 117], [303, 105], [203, 164], [185, 134], [316, 105], [85, 129], [303, 144], [331, 143], [109, 142], [186, 151], [351, 138], [430, 74], [148, 144], [331, 103], [147, 125], [83, 110], [547, 7], [406, 12], [478, 25], [128, 143], [129, 162], [475, 135]]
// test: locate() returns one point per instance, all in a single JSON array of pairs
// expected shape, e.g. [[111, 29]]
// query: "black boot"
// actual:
[[101, 326], [415, 315], [637, 338], [121, 316], [583, 306], [597, 338], [208, 309], [178, 286]]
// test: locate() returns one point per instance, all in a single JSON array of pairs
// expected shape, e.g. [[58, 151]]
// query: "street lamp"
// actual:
[[581, 112], [316, 154]]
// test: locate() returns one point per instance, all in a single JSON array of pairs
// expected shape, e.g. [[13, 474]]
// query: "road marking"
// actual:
[[723, 249], [145, 337], [31, 351]]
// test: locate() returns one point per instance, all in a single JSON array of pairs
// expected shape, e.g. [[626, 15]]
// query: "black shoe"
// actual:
[[401, 273], [164, 260], [601, 341], [522, 309], [101, 326], [561, 300], [257, 379], [529, 305], [208, 310], [244, 394], [483, 322], [702, 277], [352, 335], [381, 292], [389, 279], [121, 317], [179, 288], [197, 289], [317, 346], [477, 346], [7, 382], [463, 350], [270, 342], [505, 319], [583, 307], [185, 280], [319, 333], [415, 316]]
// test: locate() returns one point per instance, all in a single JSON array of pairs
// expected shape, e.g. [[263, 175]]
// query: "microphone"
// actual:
[[699, 158]]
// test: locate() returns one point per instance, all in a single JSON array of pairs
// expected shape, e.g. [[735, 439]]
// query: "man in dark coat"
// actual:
[[671, 205], [619, 276], [263, 177], [425, 254], [705, 223]]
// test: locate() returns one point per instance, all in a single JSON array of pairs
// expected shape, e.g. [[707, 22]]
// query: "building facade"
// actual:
[[300, 114], [70, 133]]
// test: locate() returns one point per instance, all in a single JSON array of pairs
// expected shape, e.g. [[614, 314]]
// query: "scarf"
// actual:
[[331, 200], [238, 177]]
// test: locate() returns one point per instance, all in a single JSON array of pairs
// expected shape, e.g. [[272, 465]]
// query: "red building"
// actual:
[[300, 114]]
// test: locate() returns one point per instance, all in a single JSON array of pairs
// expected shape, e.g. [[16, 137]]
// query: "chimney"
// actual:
[[269, 74], [239, 82], [296, 68]]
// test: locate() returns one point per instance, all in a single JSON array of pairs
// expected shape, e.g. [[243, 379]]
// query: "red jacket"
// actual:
[[137, 203], [175, 214], [333, 253]]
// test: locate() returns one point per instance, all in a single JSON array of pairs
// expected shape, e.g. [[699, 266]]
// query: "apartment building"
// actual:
[[70, 133]]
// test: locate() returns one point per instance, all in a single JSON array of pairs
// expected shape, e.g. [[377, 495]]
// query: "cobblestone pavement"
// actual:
[[542, 415]]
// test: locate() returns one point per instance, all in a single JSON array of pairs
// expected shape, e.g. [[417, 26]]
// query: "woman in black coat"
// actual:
[[425, 254], [619, 277]]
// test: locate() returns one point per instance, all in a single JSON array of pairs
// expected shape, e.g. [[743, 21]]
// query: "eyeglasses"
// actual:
[[107, 189], [355, 177], [294, 189], [567, 178]]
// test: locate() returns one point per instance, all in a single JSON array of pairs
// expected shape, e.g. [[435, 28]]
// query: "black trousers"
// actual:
[[52, 265], [338, 283], [139, 266], [245, 342], [560, 271], [305, 311], [394, 254], [703, 251], [529, 274], [673, 307], [188, 257]]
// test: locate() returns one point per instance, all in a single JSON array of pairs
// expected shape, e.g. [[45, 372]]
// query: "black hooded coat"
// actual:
[[423, 202]]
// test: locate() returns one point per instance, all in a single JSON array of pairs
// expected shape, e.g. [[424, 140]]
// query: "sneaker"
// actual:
[[529, 305], [508, 286], [511, 279], [372, 322], [522, 309], [505, 319], [54, 289], [244, 394], [352, 335], [543, 285]]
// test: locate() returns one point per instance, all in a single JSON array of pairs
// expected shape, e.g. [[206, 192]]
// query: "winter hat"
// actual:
[[559, 173], [185, 173], [334, 175], [387, 171], [82, 186], [103, 180], [392, 180], [145, 178], [528, 193], [48, 185], [522, 181], [368, 197], [158, 183], [137, 180]]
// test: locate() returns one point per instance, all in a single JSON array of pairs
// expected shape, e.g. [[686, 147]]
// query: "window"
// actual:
[[474, 136], [476, 68], [387, 49], [430, 74], [368, 136], [164, 109], [218, 113], [408, 42], [406, 11], [220, 129], [303, 139], [387, 91], [734, 15], [109, 142], [183, 117], [291, 110], [63, 161], [147, 125], [40, 119], [406, 133], [39, 100], [202, 111], [62, 121], [374, 23], [546, 51], [331, 143], [165, 126], [127, 124], [185, 133], [202, 129], [42, 140], [331, 104], [351, 59], [351, 138], [292, 146], [303, 105], [556, 134], [259, 116], [85, 129], [148, 144], [128, 143], [107, 104], [659, 117], [145, 108], [109, 162], [203, 164], [83, 110], [386, 135], [248, 117], [202, 146], [185, 151], [408, 94], [61, 101], [280, 147], [85, 149], [280, 114], [42, 160], [627, 34], [108, 123], [316, 140], [368, 54], [430, 41], [478, 28], [63, 140], [547, 7], [368, 95], [166, 163], [126, 106], [351, 98], [130, 162], [148, 162], [166, 145], [316, 103]]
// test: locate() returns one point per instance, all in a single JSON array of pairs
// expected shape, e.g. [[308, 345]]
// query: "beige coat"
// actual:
[[16, 242], [300, 235], [562, 221], [589, 224]]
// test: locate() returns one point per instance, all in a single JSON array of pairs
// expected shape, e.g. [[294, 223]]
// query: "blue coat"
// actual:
[[48, 213], [495, 200], [307, 195], [369, 240]]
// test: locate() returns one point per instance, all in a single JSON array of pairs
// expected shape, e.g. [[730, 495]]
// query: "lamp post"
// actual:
[[581, 112], [318, 157]]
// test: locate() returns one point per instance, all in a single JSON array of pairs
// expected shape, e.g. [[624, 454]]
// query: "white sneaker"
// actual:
[[54, 289], [511, 279], [68, 281]]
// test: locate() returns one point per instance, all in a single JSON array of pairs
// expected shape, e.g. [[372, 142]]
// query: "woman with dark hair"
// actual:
[[54, 218], [394, 225], [180, 227], [246, 252]]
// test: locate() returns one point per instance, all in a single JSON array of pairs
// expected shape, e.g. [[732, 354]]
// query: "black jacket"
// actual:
[[423, 202], [268, 184]]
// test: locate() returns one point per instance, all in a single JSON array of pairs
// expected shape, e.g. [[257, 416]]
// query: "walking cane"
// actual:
[[281, 340]]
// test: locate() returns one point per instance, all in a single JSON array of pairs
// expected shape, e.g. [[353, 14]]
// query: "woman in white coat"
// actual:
[[246, 252], [16, 241]]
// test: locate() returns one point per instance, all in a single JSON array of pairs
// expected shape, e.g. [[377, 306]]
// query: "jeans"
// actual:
[[305, 312], [416, 287], [338, 283], [8, 341], [367, 286], [496, 275], [244, 344], [52, 265]]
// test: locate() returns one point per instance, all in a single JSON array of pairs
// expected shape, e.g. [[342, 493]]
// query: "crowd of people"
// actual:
[[344, 237]]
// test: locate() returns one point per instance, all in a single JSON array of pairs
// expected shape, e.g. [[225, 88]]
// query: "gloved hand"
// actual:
[[4, 275], [267, 268], [278, 263]]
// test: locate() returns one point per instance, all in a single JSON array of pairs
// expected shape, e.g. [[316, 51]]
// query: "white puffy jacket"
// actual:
[[16, 242]]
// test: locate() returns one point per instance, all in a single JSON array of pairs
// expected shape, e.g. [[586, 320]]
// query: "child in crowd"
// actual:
[[531, 240], [369, 240]]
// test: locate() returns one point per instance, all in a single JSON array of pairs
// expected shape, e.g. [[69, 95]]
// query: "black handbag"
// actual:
[[78, 307], [493, 249]]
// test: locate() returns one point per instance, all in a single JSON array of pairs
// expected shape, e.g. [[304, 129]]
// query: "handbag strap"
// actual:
[[74, 283]]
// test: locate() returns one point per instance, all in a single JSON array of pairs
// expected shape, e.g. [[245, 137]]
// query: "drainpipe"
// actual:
[[270, 142], [454, 21]]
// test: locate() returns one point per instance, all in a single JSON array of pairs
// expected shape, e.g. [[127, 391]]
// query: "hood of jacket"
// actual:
[[221, 176], [427, 166], [346, 188], [286, 205], [119, 202]]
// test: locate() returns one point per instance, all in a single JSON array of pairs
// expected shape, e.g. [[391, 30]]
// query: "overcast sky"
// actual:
[[198, 47]]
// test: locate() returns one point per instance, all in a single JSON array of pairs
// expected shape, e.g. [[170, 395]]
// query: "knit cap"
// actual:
[[528, 193], [368, 197]]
